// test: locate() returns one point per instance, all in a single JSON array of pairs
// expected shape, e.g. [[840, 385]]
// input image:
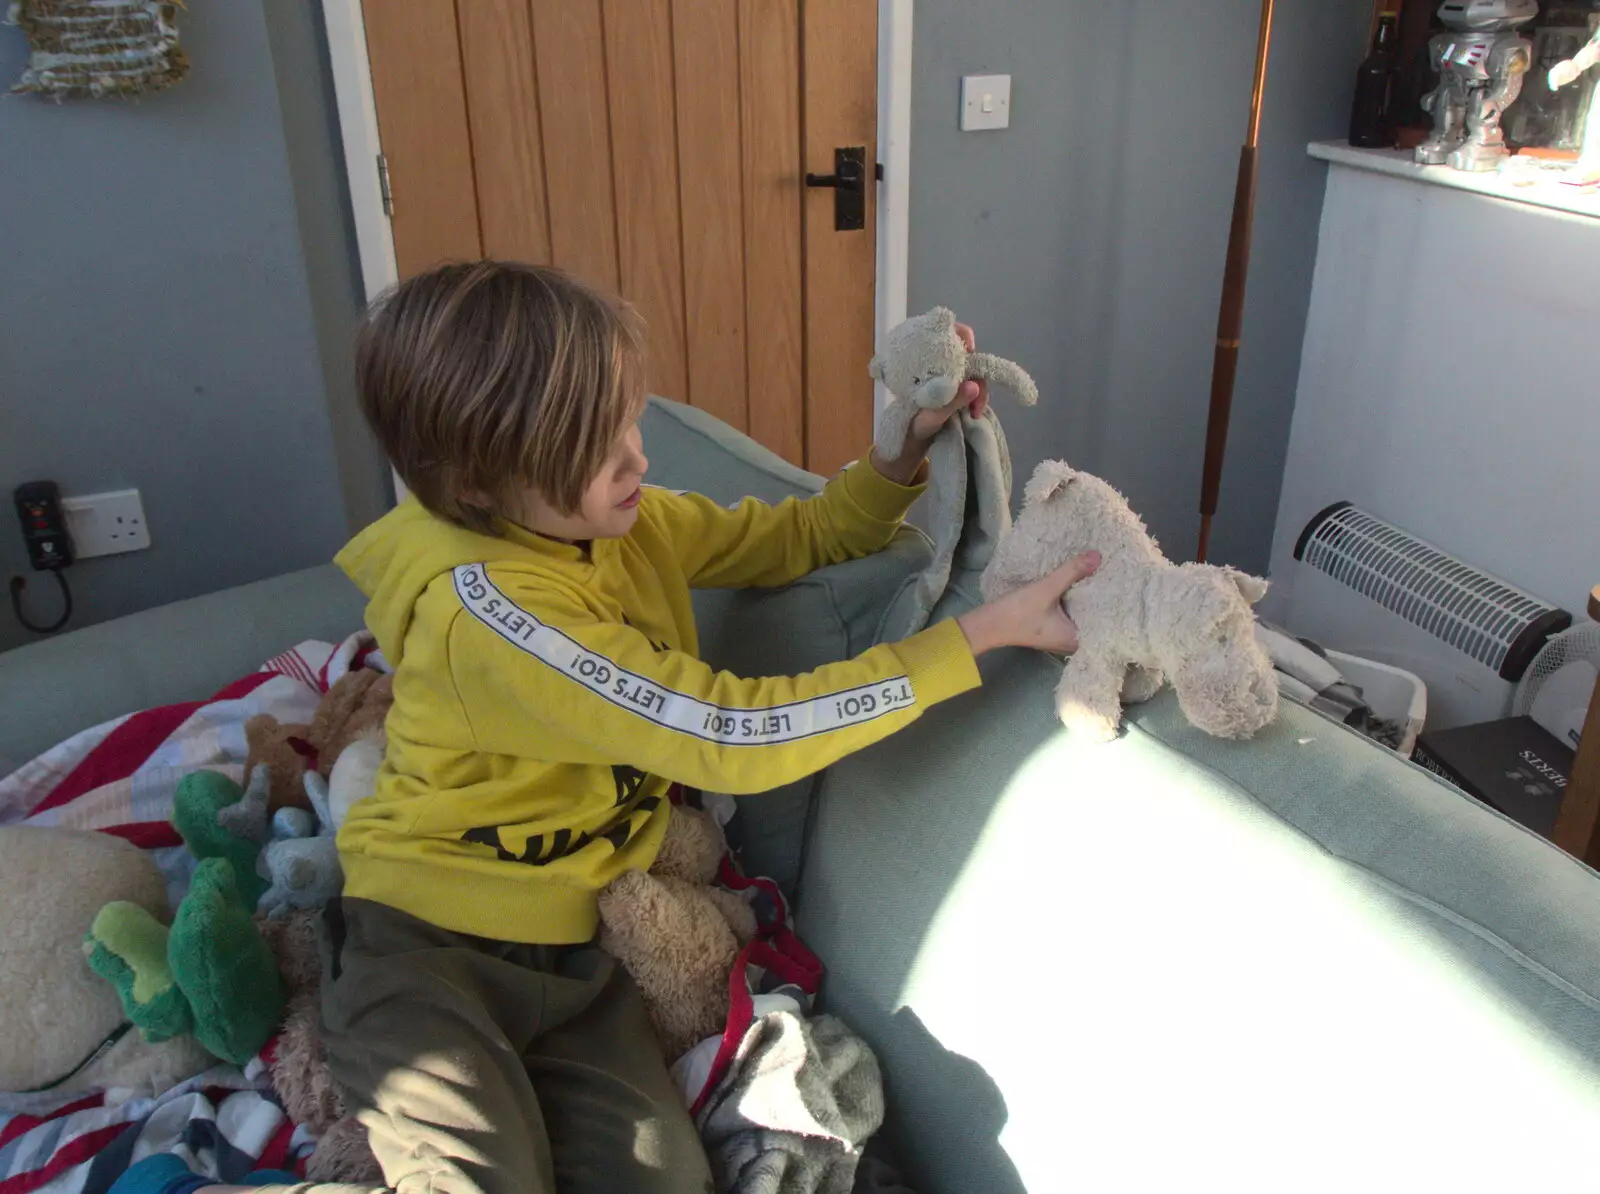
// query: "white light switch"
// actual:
[[985, 102]]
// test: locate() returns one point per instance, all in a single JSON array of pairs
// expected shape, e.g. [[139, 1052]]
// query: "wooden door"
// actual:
[[658, 148]]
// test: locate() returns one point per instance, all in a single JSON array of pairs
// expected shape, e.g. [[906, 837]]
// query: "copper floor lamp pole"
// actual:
[[1230, 317]]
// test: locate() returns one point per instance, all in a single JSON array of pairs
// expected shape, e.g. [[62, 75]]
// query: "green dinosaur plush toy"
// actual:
[[200, 798], [211, 973]]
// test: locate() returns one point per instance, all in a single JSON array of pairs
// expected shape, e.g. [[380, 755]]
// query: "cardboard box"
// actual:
[[1513, 765]]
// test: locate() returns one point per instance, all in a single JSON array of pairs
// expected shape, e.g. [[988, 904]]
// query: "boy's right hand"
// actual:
[[1033, 616]]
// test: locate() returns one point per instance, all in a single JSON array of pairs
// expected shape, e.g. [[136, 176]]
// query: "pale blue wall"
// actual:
[[176, 289], [1087, 240], [178, 274]]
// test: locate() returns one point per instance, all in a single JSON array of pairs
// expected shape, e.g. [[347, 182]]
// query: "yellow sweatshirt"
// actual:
[[548, 696]]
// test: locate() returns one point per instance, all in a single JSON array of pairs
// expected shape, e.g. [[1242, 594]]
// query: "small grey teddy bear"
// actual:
[[923, 364]]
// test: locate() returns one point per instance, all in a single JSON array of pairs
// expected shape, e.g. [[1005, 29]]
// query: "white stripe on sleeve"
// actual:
[[677, 711]]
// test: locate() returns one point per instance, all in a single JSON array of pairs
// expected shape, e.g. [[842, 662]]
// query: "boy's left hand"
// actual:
[[926, 424]]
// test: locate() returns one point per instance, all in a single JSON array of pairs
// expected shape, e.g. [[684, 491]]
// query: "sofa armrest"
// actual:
[[184, 651], [1172, 961]]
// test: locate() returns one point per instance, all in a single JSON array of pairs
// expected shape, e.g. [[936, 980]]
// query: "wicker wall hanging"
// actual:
[[99, 48]]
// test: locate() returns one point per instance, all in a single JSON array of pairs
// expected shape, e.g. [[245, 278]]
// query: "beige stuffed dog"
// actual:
[[1141, 619], [676, 935]]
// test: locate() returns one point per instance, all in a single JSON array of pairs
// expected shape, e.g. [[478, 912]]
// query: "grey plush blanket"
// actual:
[[969, 512], [795, 1108]]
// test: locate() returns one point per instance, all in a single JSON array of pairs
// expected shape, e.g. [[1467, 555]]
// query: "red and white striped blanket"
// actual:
[[119, 778]]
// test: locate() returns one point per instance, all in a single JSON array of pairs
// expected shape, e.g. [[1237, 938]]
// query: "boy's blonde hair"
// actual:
[[485, 379]]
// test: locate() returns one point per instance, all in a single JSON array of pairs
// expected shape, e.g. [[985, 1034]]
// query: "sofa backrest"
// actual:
[[832, 614], [184, 651]]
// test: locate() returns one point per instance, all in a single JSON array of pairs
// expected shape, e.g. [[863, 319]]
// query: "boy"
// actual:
[[533, 598]]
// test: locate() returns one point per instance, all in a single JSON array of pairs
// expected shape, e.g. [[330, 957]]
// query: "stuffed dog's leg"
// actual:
[[1142, 684], [1006, 373], [1088, 699]]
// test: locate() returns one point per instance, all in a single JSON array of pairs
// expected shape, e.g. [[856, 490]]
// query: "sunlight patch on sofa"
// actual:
[[1144, 960]]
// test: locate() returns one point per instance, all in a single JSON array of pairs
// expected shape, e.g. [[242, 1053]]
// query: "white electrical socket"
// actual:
[[103, 524]]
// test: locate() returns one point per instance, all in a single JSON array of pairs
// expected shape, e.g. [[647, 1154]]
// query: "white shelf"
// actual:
[[1398, 163]]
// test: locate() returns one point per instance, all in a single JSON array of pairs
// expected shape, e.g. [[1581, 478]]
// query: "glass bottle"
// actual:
[[1371, 126]]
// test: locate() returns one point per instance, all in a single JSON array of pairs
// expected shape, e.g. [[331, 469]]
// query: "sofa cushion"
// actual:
[[832, 614], [689, 449], [1172, 962]]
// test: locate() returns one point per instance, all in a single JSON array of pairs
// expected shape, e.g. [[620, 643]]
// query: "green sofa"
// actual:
[[1167, 963]]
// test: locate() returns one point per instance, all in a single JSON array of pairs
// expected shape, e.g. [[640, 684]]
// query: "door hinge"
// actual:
[[383, 185]]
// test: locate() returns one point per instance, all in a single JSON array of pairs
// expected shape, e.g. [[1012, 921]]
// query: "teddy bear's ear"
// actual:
[[942, 318], [1048, 480], [1251, 588], [877, 366]]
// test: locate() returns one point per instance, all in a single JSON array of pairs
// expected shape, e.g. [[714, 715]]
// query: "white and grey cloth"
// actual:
[[795, 1108], [968, 513], [1307, 677]]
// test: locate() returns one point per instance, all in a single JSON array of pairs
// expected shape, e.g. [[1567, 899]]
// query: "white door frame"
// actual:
[[358, 124], [358, 128], [894, 151]]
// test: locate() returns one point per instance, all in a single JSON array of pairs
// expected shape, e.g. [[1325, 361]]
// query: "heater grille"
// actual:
[[1479, 615]]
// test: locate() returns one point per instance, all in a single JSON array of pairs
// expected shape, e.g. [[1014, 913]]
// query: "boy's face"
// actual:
[[610, 506]]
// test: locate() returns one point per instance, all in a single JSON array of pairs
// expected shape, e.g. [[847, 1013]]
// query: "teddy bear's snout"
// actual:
[[935, 391]]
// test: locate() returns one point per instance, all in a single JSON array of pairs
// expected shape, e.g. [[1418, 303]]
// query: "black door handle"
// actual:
[[849, 183]]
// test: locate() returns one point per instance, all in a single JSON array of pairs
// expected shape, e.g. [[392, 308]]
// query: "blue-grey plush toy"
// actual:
[[923, 364]]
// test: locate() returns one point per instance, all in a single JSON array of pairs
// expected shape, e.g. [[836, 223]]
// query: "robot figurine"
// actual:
[[1481, 63]]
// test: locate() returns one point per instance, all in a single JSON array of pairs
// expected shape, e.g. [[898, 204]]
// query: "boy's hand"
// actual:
[[1033, 616], [926, 424]]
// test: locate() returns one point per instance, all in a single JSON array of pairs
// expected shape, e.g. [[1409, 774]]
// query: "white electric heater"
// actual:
[[1372, 589]]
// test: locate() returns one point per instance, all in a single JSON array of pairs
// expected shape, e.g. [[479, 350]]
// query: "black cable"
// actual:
[[18, 583]]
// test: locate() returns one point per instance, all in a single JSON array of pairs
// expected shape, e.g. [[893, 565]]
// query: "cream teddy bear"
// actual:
[[62, 1030], [923, 364], [676, 935], [1141, 619]]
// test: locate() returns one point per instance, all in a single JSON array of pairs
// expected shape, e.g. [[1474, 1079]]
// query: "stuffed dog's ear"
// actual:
[[942, 318], [877, 366], [1251, 588], [1048, 481]]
